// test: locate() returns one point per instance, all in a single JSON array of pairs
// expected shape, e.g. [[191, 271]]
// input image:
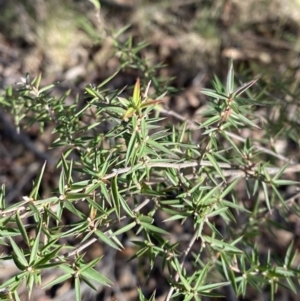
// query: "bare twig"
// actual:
[[80, 248], [232, 170], [228, 170]]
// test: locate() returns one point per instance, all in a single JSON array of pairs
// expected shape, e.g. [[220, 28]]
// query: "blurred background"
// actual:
[[65, 40], [68, 41]]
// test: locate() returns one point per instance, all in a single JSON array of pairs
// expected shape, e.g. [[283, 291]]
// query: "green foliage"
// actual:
[[128, 170]]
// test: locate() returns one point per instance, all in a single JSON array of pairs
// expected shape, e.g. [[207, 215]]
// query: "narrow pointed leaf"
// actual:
[[265, 189], [22, 229], [37, 183], [110, 77], [106, 240], [244, 87], [57, 280], [136, 98], [77, 289], [125, 229], [230, 80], [153, 228], [115, 196], [213, 94], [96, 276], [18, 252], [35, 247], [215, 165]]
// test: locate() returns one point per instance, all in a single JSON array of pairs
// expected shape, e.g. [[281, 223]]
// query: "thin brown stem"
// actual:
[[185, 253]]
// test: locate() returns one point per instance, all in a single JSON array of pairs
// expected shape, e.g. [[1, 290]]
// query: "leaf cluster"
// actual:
[[135, 176]]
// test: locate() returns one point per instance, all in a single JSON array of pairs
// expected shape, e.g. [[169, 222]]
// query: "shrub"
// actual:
[[169, 188]]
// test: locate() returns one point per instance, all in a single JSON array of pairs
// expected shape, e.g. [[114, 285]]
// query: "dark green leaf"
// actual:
[[115, 196], [22, 229]]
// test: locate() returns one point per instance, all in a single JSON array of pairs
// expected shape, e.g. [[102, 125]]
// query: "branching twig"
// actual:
[[194, 126], [185, 253], [239, 171], [80, 248]]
